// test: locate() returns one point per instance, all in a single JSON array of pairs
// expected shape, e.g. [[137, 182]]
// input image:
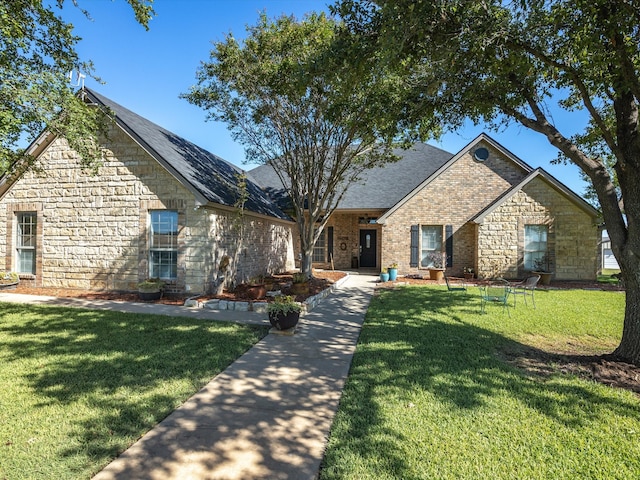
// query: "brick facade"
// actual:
[[492, 247], [452, 198], [93, 227]]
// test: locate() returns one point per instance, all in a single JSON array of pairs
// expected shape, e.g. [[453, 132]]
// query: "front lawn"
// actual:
[[77, 387], [434, 392]]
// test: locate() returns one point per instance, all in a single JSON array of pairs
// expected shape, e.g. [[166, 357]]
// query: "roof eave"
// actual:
[[34, 150], [250, 213]]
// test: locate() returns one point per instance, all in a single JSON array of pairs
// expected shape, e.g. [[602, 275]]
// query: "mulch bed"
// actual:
[[321, 281], [606, 369]]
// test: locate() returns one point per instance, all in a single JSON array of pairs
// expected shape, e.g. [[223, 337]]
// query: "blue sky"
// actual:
[[146, 71]]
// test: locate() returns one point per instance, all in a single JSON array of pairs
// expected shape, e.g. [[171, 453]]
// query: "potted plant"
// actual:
[[384, 275], [284, 312], [393, 272], [468, 273], [9, 280], [256, 288], [300, 285], [151, 289], [436, 262], [541, 267]]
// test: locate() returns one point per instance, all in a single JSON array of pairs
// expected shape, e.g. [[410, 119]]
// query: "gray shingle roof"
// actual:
[[379, 188], [208, 175]]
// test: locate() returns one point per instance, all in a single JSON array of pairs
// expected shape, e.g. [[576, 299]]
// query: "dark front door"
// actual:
[[368, 248]]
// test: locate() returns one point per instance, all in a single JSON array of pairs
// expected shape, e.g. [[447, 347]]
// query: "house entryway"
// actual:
[[368, 248]]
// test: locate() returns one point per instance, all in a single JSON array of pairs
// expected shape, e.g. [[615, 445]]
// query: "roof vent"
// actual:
[[481, 154]]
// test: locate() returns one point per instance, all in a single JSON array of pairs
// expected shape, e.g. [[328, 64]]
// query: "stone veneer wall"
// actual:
[[92, 228], [572, 239], [452, 198]]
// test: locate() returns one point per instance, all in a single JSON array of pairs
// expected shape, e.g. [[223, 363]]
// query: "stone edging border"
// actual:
[[261, 307]]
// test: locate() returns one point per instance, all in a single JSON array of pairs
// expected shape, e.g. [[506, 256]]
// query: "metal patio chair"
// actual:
[[497, 293], [525, 288], [455, 284]]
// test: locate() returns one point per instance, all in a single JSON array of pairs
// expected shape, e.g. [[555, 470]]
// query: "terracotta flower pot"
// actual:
[[255, 292], [545, 277], [436, 274], [299, 288]]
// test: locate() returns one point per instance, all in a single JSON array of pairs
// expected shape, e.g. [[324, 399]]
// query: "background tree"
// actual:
[[295, 106], [37, 53], [498, 62]]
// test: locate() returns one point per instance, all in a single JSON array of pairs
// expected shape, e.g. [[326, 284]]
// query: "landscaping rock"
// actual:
[[241, 306]]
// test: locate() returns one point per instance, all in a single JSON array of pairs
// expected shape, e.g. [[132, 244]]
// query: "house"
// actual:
[[159, 206], [482, 208], [608, 260]]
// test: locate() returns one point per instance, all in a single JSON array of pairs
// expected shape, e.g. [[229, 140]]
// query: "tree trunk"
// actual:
[[629, 348], [307, 263]]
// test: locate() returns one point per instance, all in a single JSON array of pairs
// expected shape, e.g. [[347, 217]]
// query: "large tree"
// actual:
[[294, 105], [497, 62], [37, 53]]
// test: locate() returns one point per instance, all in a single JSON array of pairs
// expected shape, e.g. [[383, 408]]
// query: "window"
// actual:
[[26, 243], [319, 249], [163, 244], [535, 245], [431, 246]]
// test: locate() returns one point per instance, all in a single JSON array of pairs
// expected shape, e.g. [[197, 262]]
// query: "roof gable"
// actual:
[[466, 149], [550, 180], [207, 176]]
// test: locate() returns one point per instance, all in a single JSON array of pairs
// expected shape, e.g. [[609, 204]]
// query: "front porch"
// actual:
[[350, 241]]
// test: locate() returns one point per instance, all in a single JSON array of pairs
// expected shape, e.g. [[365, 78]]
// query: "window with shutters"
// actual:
[[320, 248], [430, 245], [430, 248]]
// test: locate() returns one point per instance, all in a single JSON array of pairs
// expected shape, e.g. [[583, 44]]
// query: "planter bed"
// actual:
[[246, 306]]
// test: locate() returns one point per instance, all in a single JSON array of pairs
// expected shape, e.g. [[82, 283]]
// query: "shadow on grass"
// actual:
[[117, 364], [433, 341]]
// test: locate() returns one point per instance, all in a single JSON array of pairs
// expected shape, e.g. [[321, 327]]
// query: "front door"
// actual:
[[368, 243]]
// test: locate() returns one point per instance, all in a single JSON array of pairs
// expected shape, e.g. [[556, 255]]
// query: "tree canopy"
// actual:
[[496, 62], [37, 53], [300, 108]]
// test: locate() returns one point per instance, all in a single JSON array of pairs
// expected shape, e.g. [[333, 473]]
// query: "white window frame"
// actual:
[[536, 244], [319, 254], [431, 243], [26, 242], [163, 244]]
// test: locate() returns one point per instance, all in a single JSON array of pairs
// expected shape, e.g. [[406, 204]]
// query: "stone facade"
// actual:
[[92, 228], [572, 235]]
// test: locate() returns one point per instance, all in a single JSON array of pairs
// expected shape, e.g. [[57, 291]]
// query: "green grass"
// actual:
[[606, 276], [78, 386], [431, 396]]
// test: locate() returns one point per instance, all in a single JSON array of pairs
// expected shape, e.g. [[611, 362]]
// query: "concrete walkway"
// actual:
[[269, 414]]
